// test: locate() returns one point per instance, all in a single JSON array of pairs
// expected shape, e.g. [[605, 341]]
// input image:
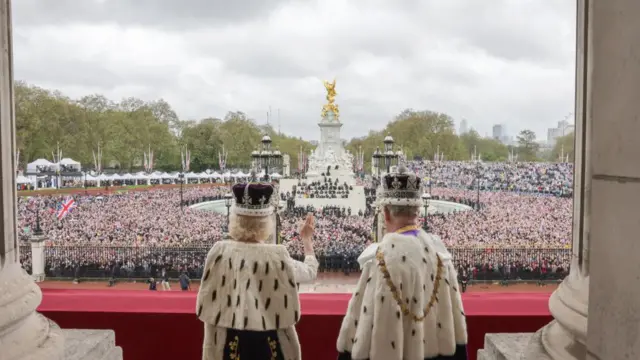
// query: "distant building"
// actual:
[[498, 132], [464, 127], [563, 128]]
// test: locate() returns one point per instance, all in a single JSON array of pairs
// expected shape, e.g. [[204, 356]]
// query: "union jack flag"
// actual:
[[65, 207]]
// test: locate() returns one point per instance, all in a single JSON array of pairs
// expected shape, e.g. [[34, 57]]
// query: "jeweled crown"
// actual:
[[401, 187], [253, 199]]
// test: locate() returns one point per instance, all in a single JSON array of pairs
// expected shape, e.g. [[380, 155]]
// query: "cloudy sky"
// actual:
[[498, 61]]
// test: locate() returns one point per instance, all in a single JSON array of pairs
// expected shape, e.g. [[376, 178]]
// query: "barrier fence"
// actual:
[[129, 262]]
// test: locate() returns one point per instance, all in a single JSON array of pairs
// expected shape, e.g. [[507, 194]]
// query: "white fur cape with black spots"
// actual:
[[407, 305], [254, 288]]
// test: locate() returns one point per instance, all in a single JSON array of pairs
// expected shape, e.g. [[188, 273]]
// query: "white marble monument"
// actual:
[[330, 155]]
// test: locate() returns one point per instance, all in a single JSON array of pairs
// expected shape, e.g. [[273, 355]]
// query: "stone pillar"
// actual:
[[566, 336], [24, 333], [38, 259], [603, 282], [614, 262]]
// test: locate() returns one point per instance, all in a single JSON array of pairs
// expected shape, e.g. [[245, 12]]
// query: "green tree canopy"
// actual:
[[527, 146], [422, 133], [563, 148], [125, 130]]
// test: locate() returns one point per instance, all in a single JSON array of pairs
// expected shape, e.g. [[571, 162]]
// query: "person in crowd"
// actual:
[[407, 304], [248, 299], [185, 282], [153, 284], [166, 286]]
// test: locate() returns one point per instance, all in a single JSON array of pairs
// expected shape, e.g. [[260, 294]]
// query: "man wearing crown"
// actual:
[[248, 299], [407, 305]]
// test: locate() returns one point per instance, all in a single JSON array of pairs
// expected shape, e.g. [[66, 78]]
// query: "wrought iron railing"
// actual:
[[143, 262]]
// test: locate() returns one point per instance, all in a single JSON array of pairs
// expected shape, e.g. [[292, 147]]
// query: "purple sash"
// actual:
[[410, 232]]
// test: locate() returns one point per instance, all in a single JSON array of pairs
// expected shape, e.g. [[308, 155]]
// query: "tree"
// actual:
[[527, 145], [563, 148], [488, 149], [125, 130], [417, 133]]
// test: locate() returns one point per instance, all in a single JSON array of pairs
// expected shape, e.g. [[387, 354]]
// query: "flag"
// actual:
[[65, 207], [222, 159]]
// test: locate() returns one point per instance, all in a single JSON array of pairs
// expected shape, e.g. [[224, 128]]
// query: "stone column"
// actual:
[[566, 336], [603, 282], [614, 262], [24, 334], [38, 259]]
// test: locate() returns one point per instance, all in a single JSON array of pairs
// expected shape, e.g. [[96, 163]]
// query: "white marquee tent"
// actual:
[[23, 180], [33, 166]]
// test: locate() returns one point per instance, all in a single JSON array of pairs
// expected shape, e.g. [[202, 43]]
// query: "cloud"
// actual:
[[165, 14], [504, 61]]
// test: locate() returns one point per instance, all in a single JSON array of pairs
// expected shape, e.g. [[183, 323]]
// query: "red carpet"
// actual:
[[146, 322]]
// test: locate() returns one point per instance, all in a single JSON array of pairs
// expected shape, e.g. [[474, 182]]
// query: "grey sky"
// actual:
[[498, 61]]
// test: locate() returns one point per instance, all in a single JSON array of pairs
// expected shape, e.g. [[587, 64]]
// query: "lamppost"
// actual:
[[181, 177], [430, 176], [278, 224], [38, 230], [377, 155], [390, 157], [228, 199], [426, 198], [477, 185], [266, 159]]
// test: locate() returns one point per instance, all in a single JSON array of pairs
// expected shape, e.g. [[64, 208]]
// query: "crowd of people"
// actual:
[[550, 178], [523, 225]]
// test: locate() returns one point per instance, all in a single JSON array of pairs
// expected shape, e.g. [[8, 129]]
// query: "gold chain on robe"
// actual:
[[396, 295]]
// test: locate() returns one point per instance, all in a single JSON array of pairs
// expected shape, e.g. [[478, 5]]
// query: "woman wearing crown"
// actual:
[[248, 299]]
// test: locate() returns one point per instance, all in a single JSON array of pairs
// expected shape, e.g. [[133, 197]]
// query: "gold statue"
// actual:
[[331, 106]]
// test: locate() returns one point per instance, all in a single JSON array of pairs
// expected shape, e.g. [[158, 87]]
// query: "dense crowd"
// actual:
[[553, 178], [139, 233]]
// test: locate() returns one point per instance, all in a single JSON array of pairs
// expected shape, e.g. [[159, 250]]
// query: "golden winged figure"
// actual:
[[330, 106], [331, 90]]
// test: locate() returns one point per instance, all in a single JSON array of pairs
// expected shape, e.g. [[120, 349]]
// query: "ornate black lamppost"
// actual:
[[228, 200], [426, 198], [181, 179], [278, 223], [38, 230], [386, 158], [266, 159], [377, 155], [430, 175], [478, 185], [390, 157]]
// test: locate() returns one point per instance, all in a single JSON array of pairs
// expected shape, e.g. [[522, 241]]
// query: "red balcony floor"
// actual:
[[163, 325]]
